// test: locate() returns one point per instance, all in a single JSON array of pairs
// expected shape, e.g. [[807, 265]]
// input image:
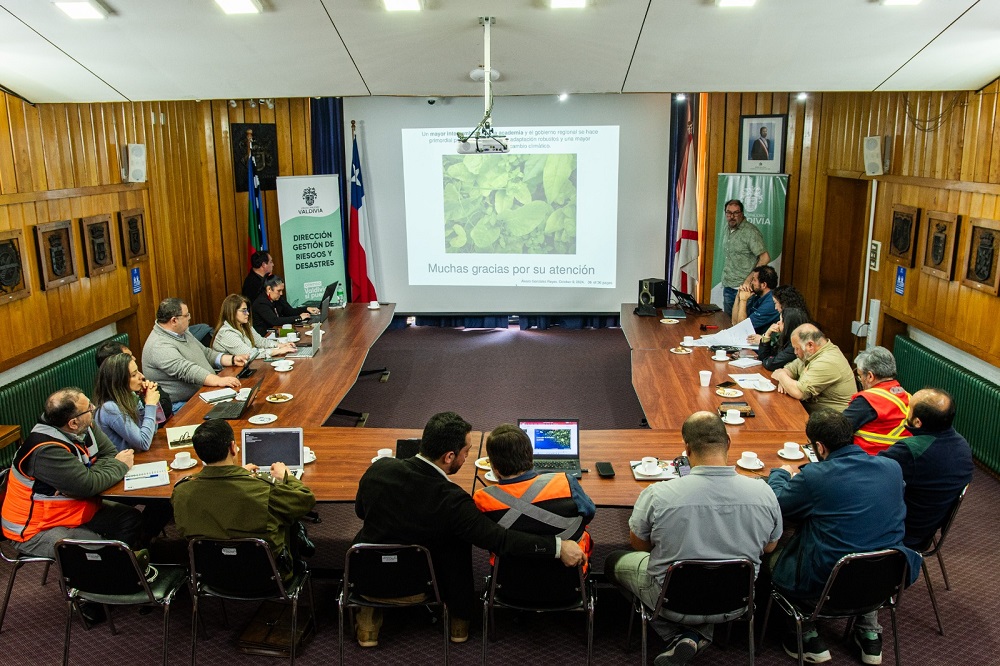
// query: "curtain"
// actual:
[[329, 149]]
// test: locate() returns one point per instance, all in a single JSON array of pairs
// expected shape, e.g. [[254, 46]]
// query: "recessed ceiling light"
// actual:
[[735, 3], [402, 5], [567, 4], [563, 97], [240, 6], [802, 97], [82, 10], [893, 3]]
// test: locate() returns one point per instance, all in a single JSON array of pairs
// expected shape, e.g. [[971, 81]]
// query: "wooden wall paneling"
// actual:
[[985, 136], [8, 175], [971, 134], [107, 160], [12, 321], [220, 152], [793, 165], [77, 150], [732, 132], [286, 167], [715, 157], [806, 186], [52, 157], [20, 140]]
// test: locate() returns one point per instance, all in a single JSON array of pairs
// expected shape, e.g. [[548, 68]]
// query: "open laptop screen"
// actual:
[[264, 446], [552, 438]]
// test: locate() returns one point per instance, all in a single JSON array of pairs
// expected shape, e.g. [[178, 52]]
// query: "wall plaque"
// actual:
[[56, 254], [937, 248], [14, 283], [132, 231], [98, 245], [982, 247], [903, 234]]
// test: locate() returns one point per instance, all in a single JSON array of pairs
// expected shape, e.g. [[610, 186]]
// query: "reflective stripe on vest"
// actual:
[[522, 506], [883, 431]]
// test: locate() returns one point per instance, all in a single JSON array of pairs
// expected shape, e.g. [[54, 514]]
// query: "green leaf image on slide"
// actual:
[[509, 204]]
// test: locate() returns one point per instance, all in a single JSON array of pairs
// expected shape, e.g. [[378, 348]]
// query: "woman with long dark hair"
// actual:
[[127, 403], [775, 349]]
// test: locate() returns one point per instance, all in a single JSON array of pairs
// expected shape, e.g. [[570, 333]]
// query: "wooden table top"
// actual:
[[649, 333], [317, 384], [343, 455]]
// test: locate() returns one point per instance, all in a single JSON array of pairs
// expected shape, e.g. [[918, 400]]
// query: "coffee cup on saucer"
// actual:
[[292, 337], [720, 355], [282, 366], [182, 460], [374, 305], [384, 453], [733, 416], [764, 385], [650, 465], [791, 450], [688, 340], [750, 460]]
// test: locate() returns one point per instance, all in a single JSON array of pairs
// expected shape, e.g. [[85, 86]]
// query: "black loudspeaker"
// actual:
[[653, 293]]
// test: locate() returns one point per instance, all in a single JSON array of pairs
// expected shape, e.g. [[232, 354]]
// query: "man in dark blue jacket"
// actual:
[[849, 502]]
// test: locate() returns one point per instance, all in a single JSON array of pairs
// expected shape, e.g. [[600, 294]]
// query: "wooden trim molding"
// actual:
[[936, 183], [58, 342], [54, 195]]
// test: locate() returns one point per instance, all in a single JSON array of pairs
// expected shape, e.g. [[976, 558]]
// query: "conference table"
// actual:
[[343, 454]]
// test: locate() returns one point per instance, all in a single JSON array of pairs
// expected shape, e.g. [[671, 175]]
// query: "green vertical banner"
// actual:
[[763, 200], [312, 241]]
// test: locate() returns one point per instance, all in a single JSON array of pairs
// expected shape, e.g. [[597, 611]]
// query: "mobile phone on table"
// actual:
[[604, 470], [727, 384]]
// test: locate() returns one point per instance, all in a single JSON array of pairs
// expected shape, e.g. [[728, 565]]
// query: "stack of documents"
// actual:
[[147, 475]]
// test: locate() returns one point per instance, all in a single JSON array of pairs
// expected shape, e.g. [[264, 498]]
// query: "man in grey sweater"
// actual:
[[177, 361]]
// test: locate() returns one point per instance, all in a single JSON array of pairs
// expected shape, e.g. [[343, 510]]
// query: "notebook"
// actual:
[[317, 342], [263, 446], [555, 444], [235, 408]]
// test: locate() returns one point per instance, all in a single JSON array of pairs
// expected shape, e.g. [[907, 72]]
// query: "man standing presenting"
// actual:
[[175, 360], [712, 513], [743, 246], [820, 375], [413, 501], [936, 463], [261, 265], [848, 502], [878, 412], [755, 300], [57, 477], [226, 501]]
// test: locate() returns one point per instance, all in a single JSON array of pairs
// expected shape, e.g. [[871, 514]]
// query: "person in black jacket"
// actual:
[[775, 348], [270, 308], [412, 500]]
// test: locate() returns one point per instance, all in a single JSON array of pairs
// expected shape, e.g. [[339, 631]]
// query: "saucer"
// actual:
[[310, 332], [483, 463], [310, 457], [736, 422], [760, 465], [782, 454], [729, 393], [277, 369], [178, 467], [680, 350], [724, 359], [378, 458], [638, 472], [279, 397], [670, 321], [262, 419], [489, 476], [768, 390], [374, 308]]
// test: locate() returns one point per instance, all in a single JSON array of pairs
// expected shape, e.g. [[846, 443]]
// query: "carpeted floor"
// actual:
[[494, 376]]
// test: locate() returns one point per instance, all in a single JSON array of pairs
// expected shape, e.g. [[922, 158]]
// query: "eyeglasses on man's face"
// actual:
[[90, 410]]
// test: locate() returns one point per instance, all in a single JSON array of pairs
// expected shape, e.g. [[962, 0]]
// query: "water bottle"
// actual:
[[341, 300]]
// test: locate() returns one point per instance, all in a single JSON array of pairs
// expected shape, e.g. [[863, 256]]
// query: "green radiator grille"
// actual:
[[22, 400], [977, 400]]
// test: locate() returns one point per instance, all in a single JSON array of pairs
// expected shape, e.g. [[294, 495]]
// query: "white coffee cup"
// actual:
[[385, 453], [791, 449], [292, 337], [282, 365], [733, 415], [764, 385], [749, 459], [182, 459], [705, 376], [650, 465], [374, 305], [688, 340], [720, 355], [307, 451]]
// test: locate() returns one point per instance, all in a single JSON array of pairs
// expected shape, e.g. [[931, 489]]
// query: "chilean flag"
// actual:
[[685, 263], [359, 269]]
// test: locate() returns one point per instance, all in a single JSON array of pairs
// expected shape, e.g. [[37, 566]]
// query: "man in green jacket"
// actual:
[[226, 501]]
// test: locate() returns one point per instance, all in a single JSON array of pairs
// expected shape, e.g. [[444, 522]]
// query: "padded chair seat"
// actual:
[[169, 578], [292, 584]]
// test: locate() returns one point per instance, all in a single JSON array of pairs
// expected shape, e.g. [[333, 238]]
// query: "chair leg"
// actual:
[[643, 648], [10, 587], [767, 615], [295, 621], [944, 572], [590, 630], [166, 632], [486, 625], [194, 627], [930, 590], [631, 620], [895, 634], [447, 631], [69, 630], [340, 626], [751, 636], [45, 573], [111, 620]]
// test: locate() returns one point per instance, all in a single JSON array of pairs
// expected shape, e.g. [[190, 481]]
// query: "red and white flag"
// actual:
[[685, 273], [360, 261]]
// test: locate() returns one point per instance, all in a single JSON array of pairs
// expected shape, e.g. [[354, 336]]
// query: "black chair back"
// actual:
[[930, 547], [100, 568], [387, 571], [235, 568], [863, 582], [707, 587], [537, 584]]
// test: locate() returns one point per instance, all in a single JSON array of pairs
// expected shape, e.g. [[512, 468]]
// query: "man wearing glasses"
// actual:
[[57, 477], [743, 247], [177, 361]]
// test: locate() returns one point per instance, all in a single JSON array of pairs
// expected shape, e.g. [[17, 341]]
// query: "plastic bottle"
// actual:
[[341, 300]]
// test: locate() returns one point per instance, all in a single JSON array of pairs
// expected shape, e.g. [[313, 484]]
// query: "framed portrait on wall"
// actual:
[[937, 246], [979, 263], [56, 246], [14, 284], [132, 231], [903, 234], [762, 143], [98, 248]]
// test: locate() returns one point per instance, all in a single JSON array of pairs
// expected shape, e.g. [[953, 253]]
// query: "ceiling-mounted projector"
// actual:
[[482, 139], [484, 144]]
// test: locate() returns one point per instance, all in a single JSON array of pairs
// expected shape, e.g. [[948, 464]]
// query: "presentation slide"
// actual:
[[543, 215]]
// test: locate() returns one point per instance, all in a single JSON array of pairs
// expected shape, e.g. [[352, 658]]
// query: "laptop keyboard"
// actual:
[[555, 464], [226, 410]]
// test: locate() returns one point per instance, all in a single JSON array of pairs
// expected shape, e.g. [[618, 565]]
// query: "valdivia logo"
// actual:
[[752, 197], [309, 195]]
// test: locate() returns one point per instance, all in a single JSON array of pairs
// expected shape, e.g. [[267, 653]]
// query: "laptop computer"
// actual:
[[309, 352], [555, 444], [264, 446], [233, 409], [688, 301]]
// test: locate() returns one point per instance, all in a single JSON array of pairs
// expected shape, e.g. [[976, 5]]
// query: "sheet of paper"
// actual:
[[747, 381], [745, 362], [180, 437], [734, 336], [147, 475]]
